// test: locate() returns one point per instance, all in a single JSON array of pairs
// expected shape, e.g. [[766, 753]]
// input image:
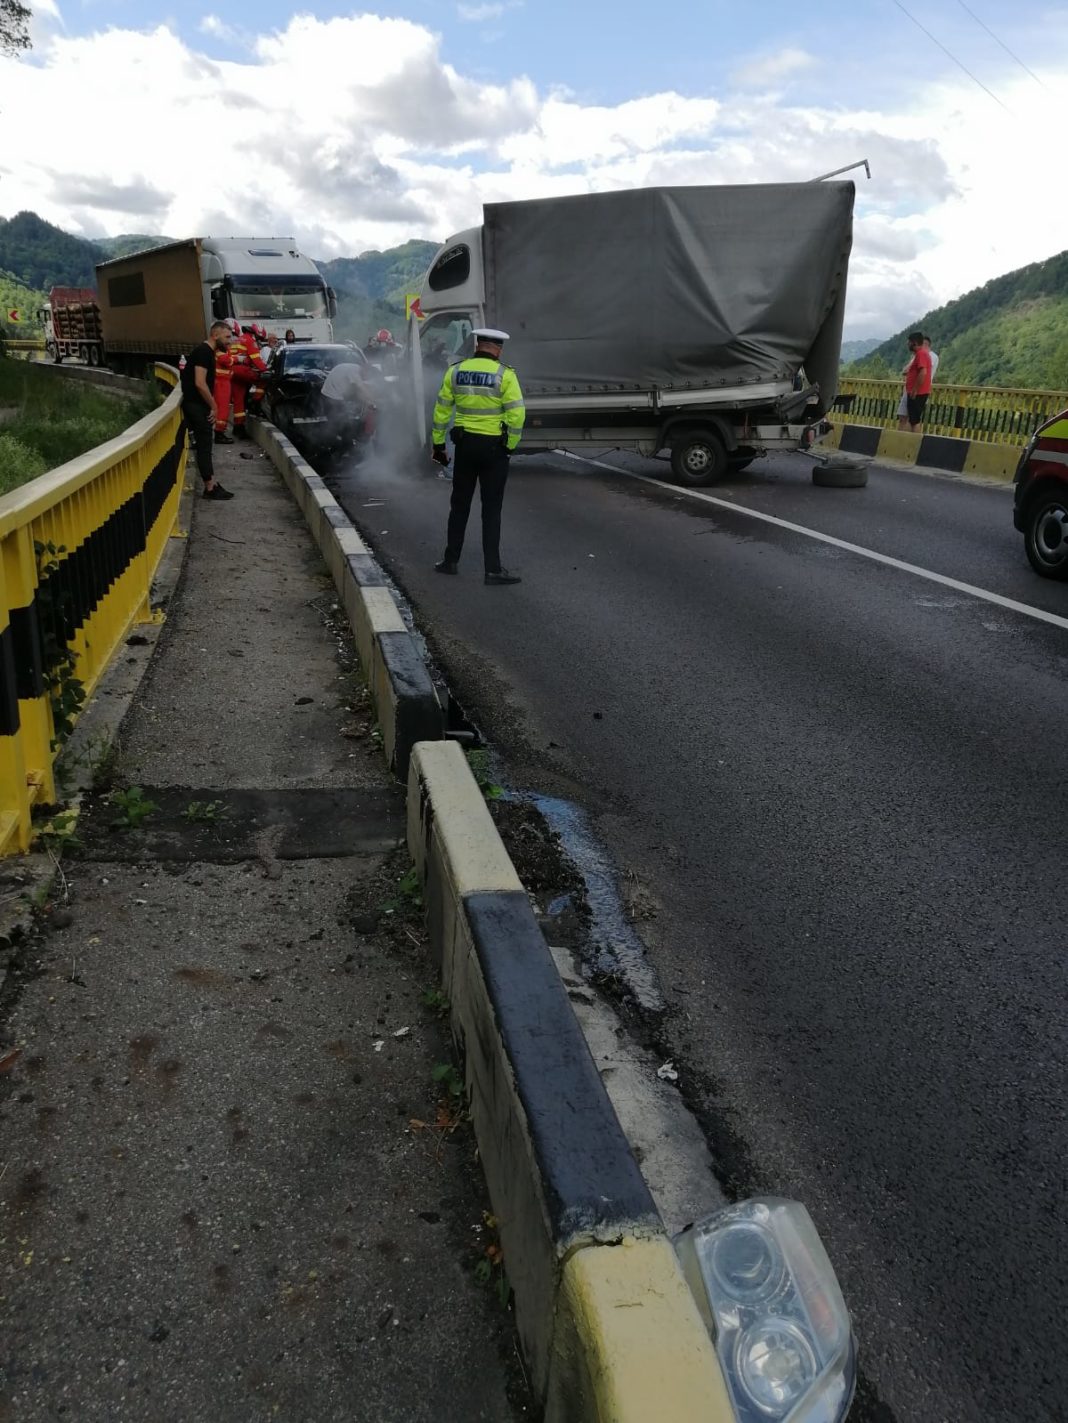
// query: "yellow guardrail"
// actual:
[[987, 414], [23, 350], [78, 551]]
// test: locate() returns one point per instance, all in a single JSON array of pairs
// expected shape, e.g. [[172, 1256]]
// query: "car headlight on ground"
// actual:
[[771, 1302]]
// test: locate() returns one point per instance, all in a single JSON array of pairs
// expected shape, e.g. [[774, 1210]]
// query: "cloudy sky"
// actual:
[[356, 128]]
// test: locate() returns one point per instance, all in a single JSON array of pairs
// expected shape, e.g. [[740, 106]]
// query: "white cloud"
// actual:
[[490, 10], [348, 155], [769, 70], [218, 29]]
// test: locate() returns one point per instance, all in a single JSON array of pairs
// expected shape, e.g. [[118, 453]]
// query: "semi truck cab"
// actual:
[[270, 282]]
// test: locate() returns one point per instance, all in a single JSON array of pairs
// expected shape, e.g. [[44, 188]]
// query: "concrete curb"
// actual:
[[608, 1325], [403, 694], [955, 456]]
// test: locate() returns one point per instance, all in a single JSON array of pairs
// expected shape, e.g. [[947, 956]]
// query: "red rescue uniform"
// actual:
[[224, 365], [249, 366]]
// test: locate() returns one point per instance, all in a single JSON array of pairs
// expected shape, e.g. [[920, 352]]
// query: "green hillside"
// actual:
[[127, 244], [1013, 331], [43, 256], [855, 350], [371, 288], [15, 295]]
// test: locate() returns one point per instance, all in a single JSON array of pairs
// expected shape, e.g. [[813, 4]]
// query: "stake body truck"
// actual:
[[704, 321]]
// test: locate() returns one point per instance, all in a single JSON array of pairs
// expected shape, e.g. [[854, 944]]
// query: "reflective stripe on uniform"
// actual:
[[483, 397]]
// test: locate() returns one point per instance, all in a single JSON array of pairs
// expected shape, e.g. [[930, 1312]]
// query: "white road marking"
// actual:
[[1039, 614]]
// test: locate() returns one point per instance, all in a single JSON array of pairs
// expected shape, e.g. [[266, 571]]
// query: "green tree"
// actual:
[[14, 27]]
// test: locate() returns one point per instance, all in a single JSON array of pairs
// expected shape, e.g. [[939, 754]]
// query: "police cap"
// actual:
[[487, 333]]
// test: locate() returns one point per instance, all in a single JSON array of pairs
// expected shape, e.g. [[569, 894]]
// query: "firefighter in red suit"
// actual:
[[249, 367], [224, 365]]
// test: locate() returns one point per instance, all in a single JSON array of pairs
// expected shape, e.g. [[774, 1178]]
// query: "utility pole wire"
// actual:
[[1001, 42], [959, 63]]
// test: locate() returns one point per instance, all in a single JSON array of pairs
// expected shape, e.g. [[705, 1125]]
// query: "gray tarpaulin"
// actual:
[[671, 288]]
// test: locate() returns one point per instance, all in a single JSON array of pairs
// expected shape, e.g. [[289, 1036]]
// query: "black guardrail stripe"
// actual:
[[591, 1181], [27, 653], [67, 597], [9, 697]]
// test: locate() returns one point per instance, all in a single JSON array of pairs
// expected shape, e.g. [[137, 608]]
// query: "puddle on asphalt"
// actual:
[[614, 948]]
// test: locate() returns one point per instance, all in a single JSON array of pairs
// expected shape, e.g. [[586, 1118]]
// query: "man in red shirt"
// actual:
[[918, 379]]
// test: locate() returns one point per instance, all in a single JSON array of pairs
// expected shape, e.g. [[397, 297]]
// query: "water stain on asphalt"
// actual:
[[276, 1031], [141, 1049], [201, 977]]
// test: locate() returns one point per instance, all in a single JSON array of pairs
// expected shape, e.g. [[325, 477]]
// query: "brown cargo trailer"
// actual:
[[152, 305]]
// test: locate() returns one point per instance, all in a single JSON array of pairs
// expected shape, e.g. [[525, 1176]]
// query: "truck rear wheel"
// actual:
[[698, 457], [94, 355]]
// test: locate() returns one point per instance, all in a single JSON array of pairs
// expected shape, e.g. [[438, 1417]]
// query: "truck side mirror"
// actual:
[[331, 301], [218, 304]]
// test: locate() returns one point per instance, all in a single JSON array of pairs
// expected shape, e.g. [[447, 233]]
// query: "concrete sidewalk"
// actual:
[[230, 1187]]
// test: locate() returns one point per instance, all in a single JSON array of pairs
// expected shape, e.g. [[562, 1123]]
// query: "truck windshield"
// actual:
[[278, 303], [442, 337]]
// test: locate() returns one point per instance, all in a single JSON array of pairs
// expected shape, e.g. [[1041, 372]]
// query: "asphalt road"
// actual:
[[842, 787]]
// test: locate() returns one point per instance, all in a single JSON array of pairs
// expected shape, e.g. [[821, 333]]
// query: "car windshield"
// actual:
[[318, 358], [277, 303]]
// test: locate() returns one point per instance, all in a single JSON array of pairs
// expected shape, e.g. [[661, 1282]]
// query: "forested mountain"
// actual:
[[42, 256], [371, 287], [35, 255], [854, 350], [127, 244], [1012, 331]]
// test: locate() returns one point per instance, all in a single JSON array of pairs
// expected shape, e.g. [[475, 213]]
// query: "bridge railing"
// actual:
[[988, 414], [79, 547]]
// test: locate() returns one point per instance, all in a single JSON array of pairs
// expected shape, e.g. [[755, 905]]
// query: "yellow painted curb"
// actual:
[[629, 1344], [901, 445], [444, 799], [994, 461]]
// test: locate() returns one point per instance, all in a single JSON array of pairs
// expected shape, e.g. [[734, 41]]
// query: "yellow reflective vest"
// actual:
[[485, 398]]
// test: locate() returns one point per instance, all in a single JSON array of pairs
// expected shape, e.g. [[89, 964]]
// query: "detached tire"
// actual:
[[698, 458], [840, 474], [1046, 535]]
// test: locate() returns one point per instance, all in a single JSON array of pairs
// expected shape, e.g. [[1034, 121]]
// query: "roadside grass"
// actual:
[[46, 420]]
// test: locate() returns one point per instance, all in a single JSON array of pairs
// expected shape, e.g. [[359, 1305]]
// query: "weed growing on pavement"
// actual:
[[58, 834], [436, 1001], [409, 894], [447, 1077], [480, 769], [203, 812], [490, 1269], [133, 808]]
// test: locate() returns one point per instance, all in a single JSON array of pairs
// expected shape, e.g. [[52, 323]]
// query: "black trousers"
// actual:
[[481, 460], [202, 428]]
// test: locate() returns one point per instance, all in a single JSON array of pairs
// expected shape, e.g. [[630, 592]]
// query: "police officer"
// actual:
[[486, 403]]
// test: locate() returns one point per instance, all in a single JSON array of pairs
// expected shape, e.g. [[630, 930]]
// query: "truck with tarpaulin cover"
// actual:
[[705, 321]]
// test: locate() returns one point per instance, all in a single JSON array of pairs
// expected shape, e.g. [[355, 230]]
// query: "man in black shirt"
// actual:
[[198, 404]]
